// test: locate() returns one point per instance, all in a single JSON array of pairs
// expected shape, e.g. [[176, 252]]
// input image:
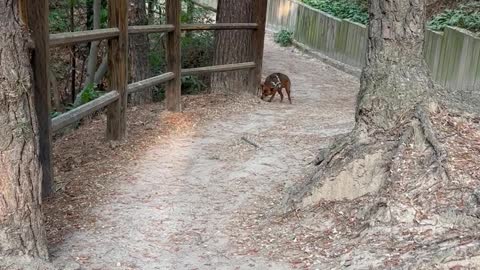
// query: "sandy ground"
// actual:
[[176, 206]]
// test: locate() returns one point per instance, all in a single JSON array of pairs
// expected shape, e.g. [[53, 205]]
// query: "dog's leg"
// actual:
[[281, 94], [272, 96], [288, 93]]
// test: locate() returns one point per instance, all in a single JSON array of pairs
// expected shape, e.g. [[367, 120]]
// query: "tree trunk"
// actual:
[[92, 56], [190, 17], [21, 221], [233, 46], [89, 7], [391, 108], [101, 71], [151, 11], [138, 52], [57, 100], [73, 57]]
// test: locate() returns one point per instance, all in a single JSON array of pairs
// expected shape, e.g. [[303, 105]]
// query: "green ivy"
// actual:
[[343, 9], [466, 17], [284, 38]]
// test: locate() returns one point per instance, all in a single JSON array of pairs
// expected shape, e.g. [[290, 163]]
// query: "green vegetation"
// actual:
[[89, 94], [465, 16], [284, 38], [58, 20], [344, 9]]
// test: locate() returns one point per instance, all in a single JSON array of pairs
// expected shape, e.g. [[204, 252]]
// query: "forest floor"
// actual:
[[202, 189], [175, 195]]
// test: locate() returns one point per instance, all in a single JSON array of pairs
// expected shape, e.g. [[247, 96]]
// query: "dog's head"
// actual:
[[266, 90]]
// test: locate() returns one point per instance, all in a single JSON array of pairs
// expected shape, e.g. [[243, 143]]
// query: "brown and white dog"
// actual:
[[273, 84]]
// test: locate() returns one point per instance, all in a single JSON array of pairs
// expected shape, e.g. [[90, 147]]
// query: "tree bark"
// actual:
[[89, 7], [73, 49], [151, 11], [138, 53], [21, 221], [392, 103], [92, 56], [233, 46], [101, 71], [190, 15], [57, 100]]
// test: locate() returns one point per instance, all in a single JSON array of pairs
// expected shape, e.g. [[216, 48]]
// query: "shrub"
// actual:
[[284, 38], [90, 93]]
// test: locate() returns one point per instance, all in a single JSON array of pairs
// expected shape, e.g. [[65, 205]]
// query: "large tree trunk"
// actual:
[[138, 52], [92, 56], [391, 110], [21, 220], [233, 46]]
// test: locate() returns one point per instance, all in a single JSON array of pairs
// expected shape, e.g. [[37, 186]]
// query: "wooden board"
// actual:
[[70, 38]]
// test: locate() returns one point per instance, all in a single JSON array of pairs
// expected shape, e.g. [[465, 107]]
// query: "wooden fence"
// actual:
[[453, 56], [117, 35]]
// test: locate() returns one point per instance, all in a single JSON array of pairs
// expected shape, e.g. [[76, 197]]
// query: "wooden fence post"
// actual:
[[258, 39], [174, 61], [117, 64], [36, 16]]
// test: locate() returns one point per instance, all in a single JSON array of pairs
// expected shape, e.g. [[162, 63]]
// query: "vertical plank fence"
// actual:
[[115, 101]]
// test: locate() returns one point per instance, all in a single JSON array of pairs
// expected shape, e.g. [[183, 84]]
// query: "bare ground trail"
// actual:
[[176, 206]]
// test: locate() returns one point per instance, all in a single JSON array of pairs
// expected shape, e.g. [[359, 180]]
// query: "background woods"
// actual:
[[78, 73]]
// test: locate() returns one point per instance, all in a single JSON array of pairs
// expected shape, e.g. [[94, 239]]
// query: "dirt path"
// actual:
[[173, 210]]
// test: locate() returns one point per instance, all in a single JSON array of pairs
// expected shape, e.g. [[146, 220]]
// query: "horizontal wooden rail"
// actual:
[[149, 29], [141, 85], [219, 26], [80, 112], [219, 68], [70, 38]]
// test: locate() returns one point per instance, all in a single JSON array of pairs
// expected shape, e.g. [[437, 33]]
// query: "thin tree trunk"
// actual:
[[89, 6], [394, 97], [151, 11], [57, 101], [233, 46], [101, 71], [138, 52], [92, 56], [190, 13], [73, 58], [21, 221]]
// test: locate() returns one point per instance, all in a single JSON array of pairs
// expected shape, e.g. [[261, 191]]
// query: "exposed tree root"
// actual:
[[431, 138], [359, 163]]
